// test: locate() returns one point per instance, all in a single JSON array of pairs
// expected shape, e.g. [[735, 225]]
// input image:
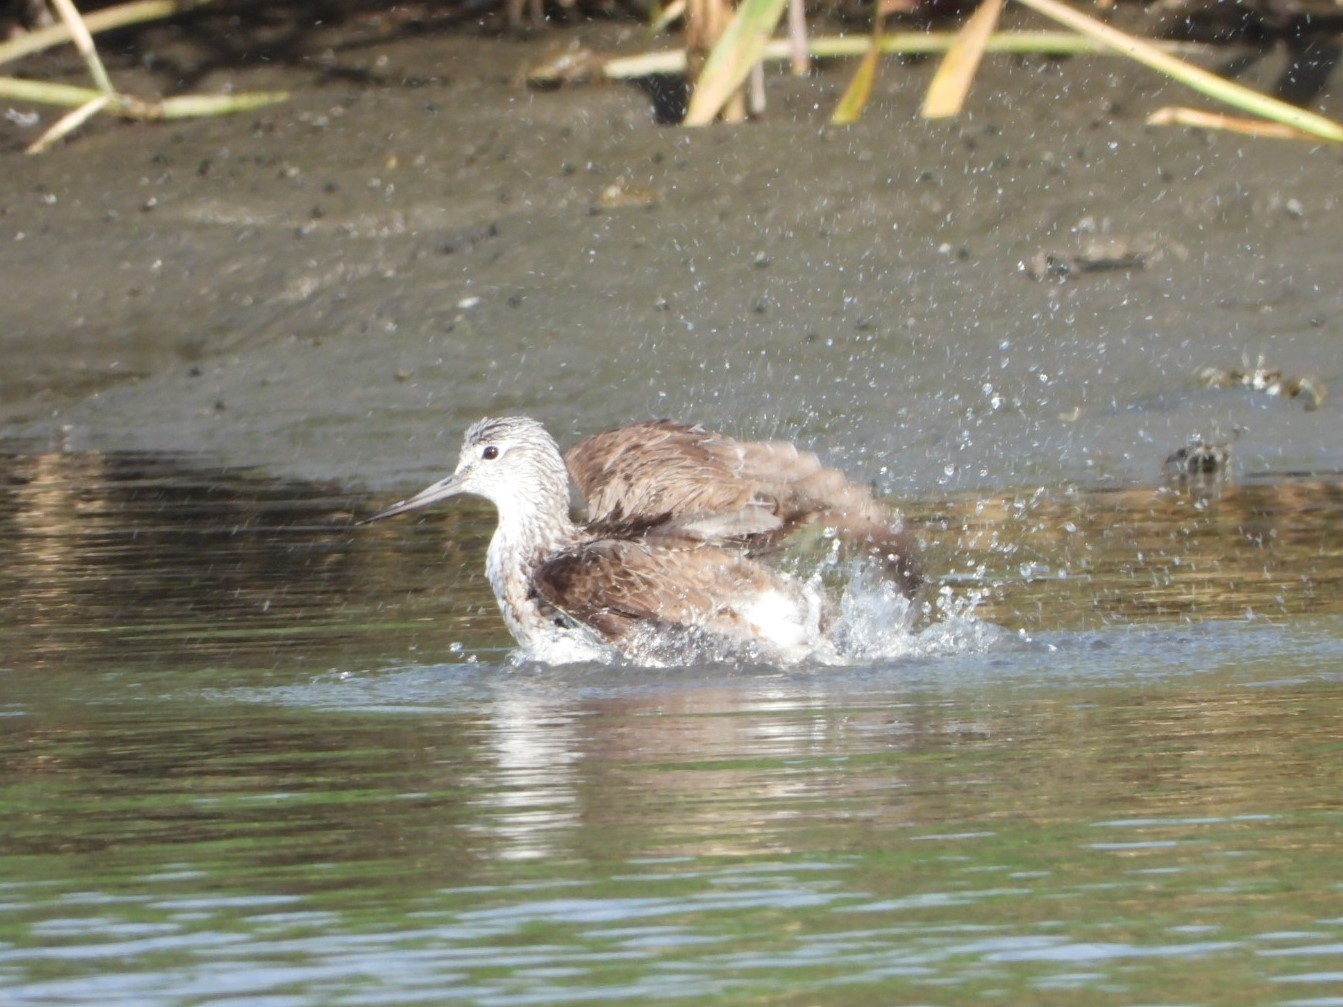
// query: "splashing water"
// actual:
[[860, 617], [876, 622]]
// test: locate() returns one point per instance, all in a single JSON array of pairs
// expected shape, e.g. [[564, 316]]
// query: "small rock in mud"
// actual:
[[465, 238], [572, 64], [1095, 255], [621, 193], [1199, 468]]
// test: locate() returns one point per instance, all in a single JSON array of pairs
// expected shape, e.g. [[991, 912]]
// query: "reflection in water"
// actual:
[[111, 551], [530, 797], [1133, 555], [791, 835], [143, 557], [127, 548], [230, 772]]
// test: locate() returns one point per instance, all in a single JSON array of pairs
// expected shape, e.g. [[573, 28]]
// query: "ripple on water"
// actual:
[[237, 769]]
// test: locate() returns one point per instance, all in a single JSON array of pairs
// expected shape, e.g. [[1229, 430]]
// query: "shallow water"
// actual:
[[254, 755]]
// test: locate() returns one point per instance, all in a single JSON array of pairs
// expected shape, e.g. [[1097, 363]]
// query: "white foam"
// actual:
[[863, 618]]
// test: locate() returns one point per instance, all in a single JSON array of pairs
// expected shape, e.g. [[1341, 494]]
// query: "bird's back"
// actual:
[[663, 479]]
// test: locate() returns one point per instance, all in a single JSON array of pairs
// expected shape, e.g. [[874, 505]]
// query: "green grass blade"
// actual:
[[191, 105], [739, 49], [127, 106], [44, 93], [1052, 43]]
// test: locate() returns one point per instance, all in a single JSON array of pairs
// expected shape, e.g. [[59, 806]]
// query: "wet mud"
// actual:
[[334, 287]]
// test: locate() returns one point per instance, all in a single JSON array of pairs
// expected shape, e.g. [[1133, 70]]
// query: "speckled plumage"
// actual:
[[679, 518]]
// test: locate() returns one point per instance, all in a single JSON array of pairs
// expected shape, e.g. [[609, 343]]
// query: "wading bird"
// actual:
[[671, 560]]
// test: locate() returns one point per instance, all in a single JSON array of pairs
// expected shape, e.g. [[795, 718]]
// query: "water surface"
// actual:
[[255, 755]]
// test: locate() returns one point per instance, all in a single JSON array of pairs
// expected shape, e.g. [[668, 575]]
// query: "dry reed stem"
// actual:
[[1191, 76], [79, 34], [88, 102], [1178, 115], [99, 21], [68, 123], [1052, 43], [950, 85]]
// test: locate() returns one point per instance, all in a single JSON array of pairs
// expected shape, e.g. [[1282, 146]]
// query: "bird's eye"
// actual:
[[489, 453]]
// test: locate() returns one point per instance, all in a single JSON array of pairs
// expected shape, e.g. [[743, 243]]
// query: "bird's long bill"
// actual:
[[440, 490]]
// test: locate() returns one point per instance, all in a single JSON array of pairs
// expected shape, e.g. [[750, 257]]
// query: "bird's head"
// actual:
[[511, 462]]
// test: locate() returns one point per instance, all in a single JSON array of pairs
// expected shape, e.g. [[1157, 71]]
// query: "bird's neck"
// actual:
[[531, 529]]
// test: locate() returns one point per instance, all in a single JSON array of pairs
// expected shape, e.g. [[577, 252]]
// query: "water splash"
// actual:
[[869, 619], [875, 621]]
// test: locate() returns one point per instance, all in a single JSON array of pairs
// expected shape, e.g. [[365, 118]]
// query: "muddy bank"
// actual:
[[335, 286]]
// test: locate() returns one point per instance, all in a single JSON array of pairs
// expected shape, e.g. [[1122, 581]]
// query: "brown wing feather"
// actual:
[[658, 471], [614, 585], [667, 478]]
